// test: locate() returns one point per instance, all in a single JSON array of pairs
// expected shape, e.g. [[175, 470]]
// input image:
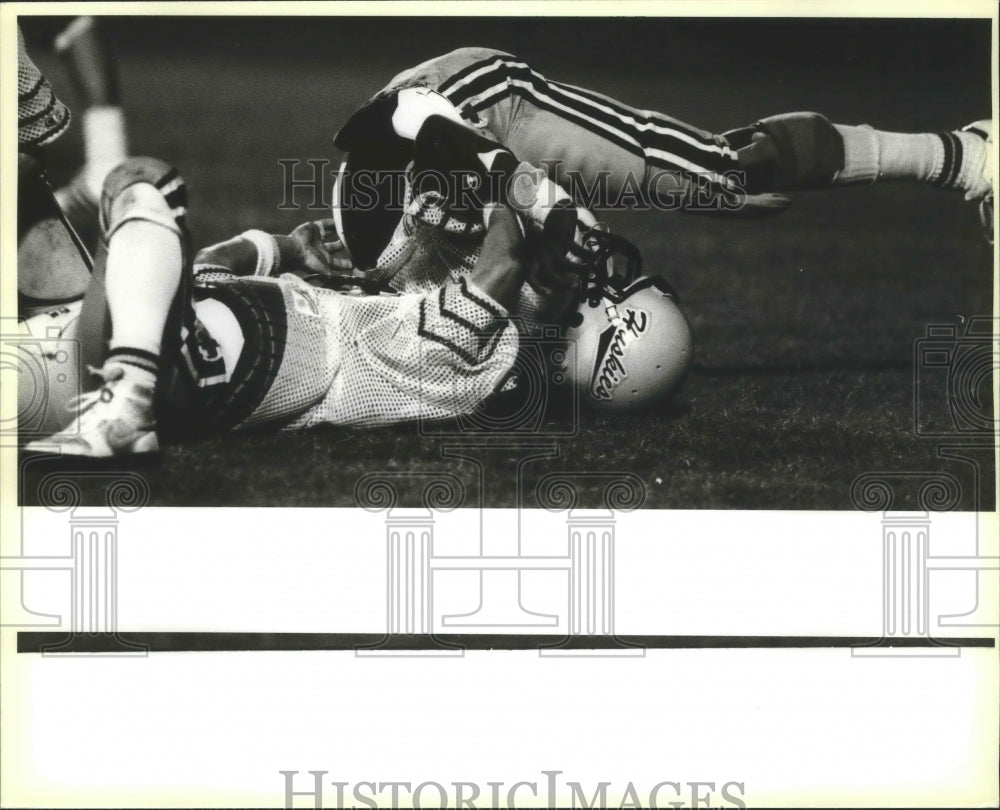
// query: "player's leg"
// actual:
[[958, 160], [52, 264], [806, 150], [135, 292], [608, 152], [572, 131], [166, 366], [139, 267], [623, 154], [90, 64], [481, 103]]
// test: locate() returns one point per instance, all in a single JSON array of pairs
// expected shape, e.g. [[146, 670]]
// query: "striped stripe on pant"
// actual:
[[578, 133]]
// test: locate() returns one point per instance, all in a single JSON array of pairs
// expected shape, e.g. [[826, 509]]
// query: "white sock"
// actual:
[[142, 276], [972, 174], [948, 159], [871, 154], [105, 145]]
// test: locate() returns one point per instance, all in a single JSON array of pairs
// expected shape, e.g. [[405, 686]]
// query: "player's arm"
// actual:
[[500, 269], [312, 247], [437, 355]]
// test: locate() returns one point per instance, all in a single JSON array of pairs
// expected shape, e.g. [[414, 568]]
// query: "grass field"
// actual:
[[804, 325]]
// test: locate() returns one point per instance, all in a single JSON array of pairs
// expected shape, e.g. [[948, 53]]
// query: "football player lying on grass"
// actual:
[[245, 340], [477, 111]]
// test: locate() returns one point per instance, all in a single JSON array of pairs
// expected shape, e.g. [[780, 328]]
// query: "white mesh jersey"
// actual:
[[362, 360]]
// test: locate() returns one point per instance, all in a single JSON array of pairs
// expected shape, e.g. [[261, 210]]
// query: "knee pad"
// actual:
[[146, 189], [798, 151]]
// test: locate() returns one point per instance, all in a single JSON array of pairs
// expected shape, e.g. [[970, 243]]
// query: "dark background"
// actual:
[[623, 42], [804, 325]]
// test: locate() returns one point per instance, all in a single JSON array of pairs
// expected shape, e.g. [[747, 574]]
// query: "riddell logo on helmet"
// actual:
[[609, 369]]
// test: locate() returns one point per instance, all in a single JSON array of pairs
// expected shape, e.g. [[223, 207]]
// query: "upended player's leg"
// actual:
[[952, 160], [135, 283], [610, 154], [807, 151]]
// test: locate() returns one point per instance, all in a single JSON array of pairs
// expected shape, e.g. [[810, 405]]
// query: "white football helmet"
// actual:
[[629, 348]]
